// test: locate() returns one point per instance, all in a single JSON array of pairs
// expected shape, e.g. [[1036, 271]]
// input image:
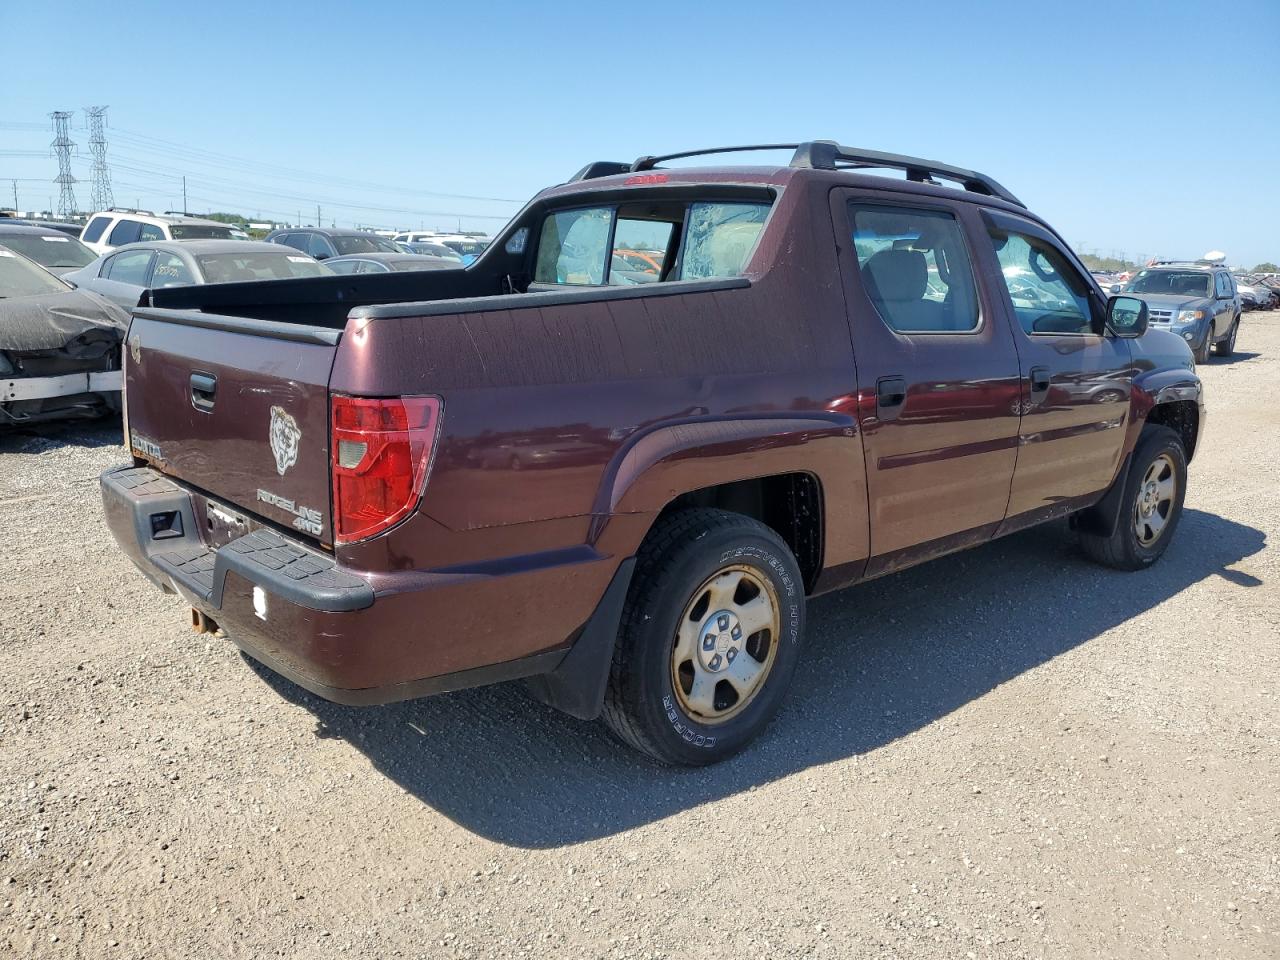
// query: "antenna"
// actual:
[[63, 147], [102, 198]]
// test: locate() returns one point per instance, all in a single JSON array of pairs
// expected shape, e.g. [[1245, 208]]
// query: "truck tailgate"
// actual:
[[237, 408]]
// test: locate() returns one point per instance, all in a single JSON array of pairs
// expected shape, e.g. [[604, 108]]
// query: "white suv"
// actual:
[[115, 227]]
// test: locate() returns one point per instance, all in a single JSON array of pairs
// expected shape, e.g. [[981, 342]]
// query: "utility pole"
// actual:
[[184, 195], [62, 147], [318, 223], [101, 196], [15, 196]]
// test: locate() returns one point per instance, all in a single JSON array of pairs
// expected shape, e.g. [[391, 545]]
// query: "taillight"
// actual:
[[381, 458]]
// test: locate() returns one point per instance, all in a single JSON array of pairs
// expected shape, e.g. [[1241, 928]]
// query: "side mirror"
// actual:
[[1127, 316], [321, 256], [1114, 288]]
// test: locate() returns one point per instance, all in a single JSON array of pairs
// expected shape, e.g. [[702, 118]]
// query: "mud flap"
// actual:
[[576, 686], [1101, 519]]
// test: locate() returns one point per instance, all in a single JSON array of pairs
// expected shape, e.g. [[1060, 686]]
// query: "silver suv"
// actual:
[[115, 227]]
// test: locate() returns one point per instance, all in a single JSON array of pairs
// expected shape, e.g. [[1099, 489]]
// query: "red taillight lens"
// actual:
[[381, 458]]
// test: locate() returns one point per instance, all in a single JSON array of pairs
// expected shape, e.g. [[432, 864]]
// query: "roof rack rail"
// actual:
[[141, 213], [823, 155], [829, 155]]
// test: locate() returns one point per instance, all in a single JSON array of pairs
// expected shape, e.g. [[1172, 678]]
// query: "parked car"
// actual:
[[326, 471], [428, 249], [59, 347], [1254, 294], [118, 226], [467, 247], [387, 262], [52, 249], [123, 274], [1196, 300], [323, 243], [70, 229]]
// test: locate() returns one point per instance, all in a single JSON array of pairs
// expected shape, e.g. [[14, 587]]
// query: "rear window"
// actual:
[[126, 231], [22, 278], [48, 251], [94, 230], [196, 231], [370, 244], [635, 243], [235, 267]]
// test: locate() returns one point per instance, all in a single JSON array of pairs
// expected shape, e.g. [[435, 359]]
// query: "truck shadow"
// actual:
[[883, 660]]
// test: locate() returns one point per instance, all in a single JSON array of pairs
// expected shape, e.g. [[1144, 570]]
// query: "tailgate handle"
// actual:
[[203, 388]]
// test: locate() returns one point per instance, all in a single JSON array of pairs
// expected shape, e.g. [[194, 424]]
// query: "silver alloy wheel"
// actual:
[[725, 644], [1155, 500]]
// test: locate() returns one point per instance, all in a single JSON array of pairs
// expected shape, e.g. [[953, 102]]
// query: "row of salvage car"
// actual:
[[65, 306]]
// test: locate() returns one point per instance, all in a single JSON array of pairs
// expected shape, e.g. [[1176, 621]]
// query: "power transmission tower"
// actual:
[[102, 198], [62, 147]]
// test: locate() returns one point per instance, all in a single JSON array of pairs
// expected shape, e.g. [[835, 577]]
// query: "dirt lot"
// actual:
[[1006, 753]]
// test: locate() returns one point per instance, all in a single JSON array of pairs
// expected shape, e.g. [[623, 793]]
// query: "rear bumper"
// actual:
[[326, 628]]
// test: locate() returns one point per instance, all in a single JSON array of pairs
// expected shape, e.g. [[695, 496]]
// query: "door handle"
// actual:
[[891, 395], [204, 386], [1039, 378]]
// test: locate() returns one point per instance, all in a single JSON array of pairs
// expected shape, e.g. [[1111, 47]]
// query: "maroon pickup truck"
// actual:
[[615, 455]]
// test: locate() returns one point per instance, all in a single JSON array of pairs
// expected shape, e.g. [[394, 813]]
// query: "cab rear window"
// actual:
[[640, 243]]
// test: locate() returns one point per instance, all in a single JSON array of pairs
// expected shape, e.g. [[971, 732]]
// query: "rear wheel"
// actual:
[[710, 638], [1151, 505], [1227, 346]]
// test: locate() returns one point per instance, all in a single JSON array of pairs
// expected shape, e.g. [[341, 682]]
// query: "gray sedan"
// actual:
[[389, 262], [125, 272]]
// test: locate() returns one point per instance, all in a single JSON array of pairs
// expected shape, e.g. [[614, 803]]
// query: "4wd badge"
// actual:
[[284, 439]]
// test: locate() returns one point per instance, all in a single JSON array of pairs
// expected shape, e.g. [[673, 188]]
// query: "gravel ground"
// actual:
[[1005, 753]]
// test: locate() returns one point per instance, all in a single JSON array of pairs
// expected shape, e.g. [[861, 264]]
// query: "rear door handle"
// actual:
[[1039, 377], [204, 387], [891, 394]]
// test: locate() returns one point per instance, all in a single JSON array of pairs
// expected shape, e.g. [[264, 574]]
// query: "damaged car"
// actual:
[[59, 347]]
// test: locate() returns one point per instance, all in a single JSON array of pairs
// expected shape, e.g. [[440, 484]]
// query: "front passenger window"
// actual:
[[1047, 293]]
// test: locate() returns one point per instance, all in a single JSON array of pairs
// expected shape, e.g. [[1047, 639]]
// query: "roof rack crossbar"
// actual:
[[829, 155]]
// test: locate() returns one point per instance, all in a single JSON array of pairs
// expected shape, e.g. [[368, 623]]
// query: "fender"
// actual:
[[1166, 385], [674, 458]]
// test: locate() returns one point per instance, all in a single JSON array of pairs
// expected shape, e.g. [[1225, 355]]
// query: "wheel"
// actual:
[[1227, 346], [709, 640], [1202, 352], [1151, 504]]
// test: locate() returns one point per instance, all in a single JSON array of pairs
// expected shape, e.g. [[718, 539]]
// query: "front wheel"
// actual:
[[710, 638], [1202, 352], [1151, 504], [1227, 346]]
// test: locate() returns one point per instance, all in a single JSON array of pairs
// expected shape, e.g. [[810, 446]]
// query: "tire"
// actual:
[[1126, 548], [689, 562], [1202, 352], [1227, 345]]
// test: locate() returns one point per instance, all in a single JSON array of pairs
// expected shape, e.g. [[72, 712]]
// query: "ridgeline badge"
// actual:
[[284, 439]]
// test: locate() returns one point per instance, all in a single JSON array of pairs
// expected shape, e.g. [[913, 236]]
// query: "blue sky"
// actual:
[[1137, 127]]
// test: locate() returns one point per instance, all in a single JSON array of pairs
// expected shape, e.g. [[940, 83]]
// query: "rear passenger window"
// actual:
[[94, 230], [720, 238], [318, 246], [126, 231], [915, 268], [573, 246], [130, 267], [1048, 294], [149, 231]]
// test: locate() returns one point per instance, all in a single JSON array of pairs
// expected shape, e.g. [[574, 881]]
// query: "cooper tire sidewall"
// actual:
[[684, 736]]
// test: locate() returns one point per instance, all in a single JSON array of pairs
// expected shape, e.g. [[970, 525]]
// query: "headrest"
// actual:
[[896, 275]]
